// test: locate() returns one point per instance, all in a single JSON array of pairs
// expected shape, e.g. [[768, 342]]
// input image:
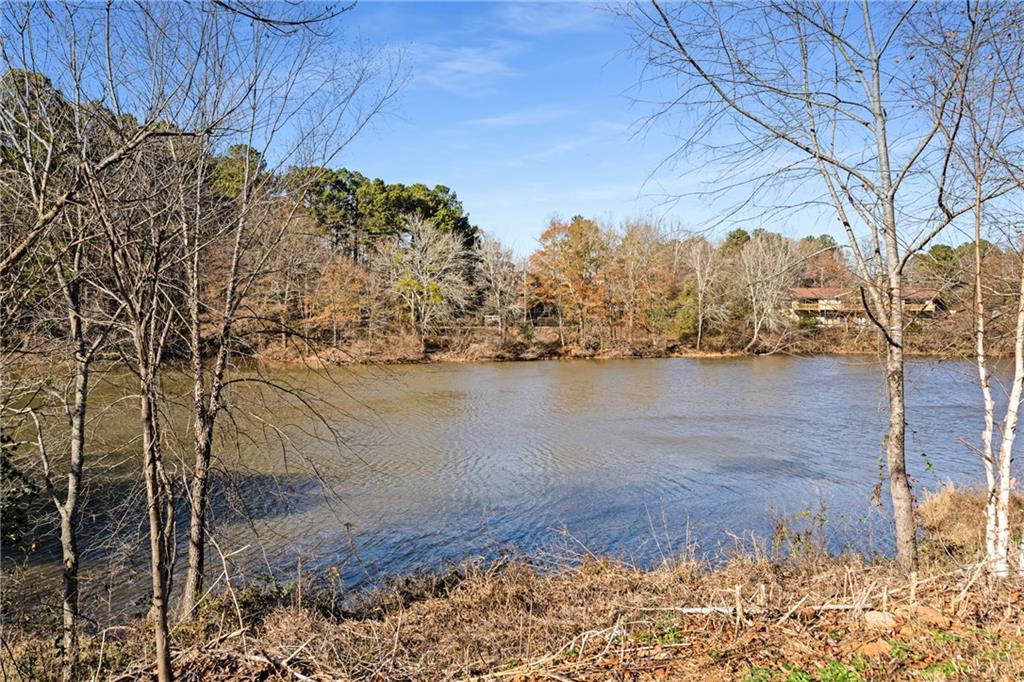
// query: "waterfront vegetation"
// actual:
[[779, 610], [180, 214]]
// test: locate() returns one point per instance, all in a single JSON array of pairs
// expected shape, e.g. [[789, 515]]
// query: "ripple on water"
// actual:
[[629, 457]]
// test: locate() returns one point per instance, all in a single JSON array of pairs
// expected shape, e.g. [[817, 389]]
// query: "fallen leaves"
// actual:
[[930, 616], [878, 647]]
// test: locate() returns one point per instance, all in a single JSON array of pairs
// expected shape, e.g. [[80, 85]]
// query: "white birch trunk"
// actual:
[[984, 380], [1006, 483]]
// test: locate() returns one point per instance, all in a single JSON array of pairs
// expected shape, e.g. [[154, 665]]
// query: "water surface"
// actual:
[[428, 463]]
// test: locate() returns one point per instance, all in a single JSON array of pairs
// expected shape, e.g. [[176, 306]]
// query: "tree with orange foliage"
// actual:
[[336, 304], [567, 271], [823, 262]]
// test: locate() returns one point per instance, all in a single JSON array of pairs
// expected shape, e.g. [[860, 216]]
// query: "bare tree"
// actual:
[[998, 472], [766, 270], [76, 263], [38, 104], [831, 93], [991, 152], [154, 96], [978, 164], [63, 328], [634, 268], [705, 264], [500, 276], [65, 132], [140, 235], [425, 271], [249, 217]]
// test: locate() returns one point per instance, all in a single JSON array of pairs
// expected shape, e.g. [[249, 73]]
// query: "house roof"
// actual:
[[920, 294]]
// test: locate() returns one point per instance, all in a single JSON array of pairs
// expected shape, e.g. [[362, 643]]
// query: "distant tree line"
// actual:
[[440, 281]]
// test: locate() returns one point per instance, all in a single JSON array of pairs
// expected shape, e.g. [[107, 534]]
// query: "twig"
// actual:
[[751, 610], [970, 583], [739, 608], [557, 676], [789, 613], [278, 664]]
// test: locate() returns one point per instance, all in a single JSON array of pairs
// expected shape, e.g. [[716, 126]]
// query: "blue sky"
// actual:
[[526, 110]]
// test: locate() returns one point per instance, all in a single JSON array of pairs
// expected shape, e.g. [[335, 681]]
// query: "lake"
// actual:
[[413, 466]]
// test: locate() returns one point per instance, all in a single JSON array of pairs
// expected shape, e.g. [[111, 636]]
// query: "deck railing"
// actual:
[[822, 307]]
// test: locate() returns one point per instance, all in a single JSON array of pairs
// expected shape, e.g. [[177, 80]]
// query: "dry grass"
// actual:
[[799, 619], [953, 520]]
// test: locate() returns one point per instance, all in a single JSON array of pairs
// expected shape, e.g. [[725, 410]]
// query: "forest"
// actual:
[[369, 271], [589, 289]]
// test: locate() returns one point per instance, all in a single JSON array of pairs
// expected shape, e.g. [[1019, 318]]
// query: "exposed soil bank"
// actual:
[[761, 617], [547, 345]]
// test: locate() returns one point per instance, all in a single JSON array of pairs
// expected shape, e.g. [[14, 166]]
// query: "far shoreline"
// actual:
[[334, 358], [318, 360]]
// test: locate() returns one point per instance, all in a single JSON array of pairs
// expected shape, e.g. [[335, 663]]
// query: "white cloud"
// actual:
[[542, 18], [477, 65], [524, 117], [465, 69]]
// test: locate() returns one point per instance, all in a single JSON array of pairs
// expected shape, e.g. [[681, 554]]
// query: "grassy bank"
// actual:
[[808, 616], [546, 344]]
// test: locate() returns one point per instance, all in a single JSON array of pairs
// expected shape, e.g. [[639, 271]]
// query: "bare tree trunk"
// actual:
[[753, 341], [201, 433], [701, 258], [69, 511], [417, 327], [526, 295], [756, 319], [205, 408], [700, 318], [197, 519], [156, 499], [69, 605], [69, 515], [899, 484], [629, 333], [895, 450]]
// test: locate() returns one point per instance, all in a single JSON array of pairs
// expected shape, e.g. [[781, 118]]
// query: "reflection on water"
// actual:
[[445, 462]]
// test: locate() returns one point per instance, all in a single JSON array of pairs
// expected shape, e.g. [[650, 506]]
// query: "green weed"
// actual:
[[836, 671]]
